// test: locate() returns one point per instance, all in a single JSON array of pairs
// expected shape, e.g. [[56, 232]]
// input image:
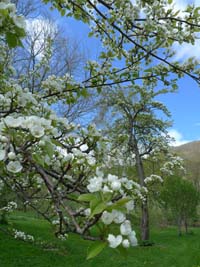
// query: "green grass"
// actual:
[[169, 249]]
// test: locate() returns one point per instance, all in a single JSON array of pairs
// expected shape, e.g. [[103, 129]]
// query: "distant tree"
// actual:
[[135, 127], [28, 8], [45, 159], [193, 171], [181, 198], [32, 137], [49, 51], [46, 51]]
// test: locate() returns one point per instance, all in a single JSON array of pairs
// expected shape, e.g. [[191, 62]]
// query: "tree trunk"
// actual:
[[179, 227], [186, 225], [145, 233], [145, 221]]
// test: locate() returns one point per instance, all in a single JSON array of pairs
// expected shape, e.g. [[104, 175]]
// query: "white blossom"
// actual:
[[125, 228], [114, 241], [14, 166], [37, 131], [11, 155], [63, 237], [116, 185], [87, 212], [95, 184], [132, 238], [106, 189], [84, 147], [23, 236], [112, 178], [91, 160], [99, 173], [107, 217], [13, 122], [126, 243], [2, 155], [130, 205], [3, 139], [55, 222], [153, 178], [10, 206], [118, 216]]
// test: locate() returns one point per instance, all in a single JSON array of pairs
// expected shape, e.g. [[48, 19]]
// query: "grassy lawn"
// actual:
[[169, 249]]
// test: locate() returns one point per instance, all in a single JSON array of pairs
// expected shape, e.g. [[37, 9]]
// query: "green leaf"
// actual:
[[122, 251], [56, 142], [98, 209], [94, 203], [11, 39], [87, 197], [196, 11], [49, 149], [38, 159], [170, 2], [110, 54], [63, 12], [90, 34], [119, 204], [96, 249], [99, 90], [84, 92]]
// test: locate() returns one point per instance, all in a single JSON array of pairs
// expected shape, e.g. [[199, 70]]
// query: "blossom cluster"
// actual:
[[38, 130], [12, 25], [32, 138], [1, 185], [10, 207], [130, 240], [6, 5], [153, 178], [119, 217], [23, 236], [63, 237], [110, 184], [174, 162]]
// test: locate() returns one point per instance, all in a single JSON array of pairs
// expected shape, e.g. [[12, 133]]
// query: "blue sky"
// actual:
[[183, 105], [185, 109]]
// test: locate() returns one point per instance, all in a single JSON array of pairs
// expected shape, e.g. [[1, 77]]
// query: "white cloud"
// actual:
[[197, 2], [39, 30], [185, 50], [178, 138], [180, 4]]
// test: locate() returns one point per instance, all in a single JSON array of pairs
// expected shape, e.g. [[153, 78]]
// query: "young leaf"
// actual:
[[122, 251], [86, 197], [38, 159], [119, 204], [96, 249], [98, 209], [11, 39], [49, 149]]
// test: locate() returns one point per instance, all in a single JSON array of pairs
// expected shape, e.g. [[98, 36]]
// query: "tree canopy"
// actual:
[[59, 168]]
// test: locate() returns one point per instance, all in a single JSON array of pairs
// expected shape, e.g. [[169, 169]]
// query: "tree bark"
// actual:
[[145, 232], [179, 227], [186, 225]]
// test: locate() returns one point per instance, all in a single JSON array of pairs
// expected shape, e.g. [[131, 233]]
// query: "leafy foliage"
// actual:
[[56, 167], [181, 197]]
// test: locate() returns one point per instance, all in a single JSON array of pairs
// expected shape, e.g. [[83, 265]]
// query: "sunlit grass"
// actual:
[[169, 249]]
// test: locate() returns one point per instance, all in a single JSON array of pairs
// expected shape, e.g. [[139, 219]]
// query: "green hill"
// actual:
[[190, 152]]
